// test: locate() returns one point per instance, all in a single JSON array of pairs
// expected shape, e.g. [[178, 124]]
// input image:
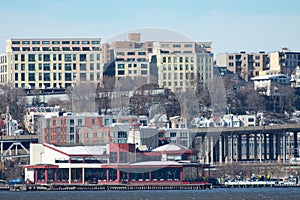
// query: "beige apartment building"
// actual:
[[3, 68], [247, 65], [52, 62], [183, 65], [284, 61], [129, 58]]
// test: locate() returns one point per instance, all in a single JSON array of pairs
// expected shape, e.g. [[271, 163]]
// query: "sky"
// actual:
[[232, 25]]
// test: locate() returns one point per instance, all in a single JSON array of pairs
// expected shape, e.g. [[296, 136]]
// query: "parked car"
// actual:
[[15, 181]]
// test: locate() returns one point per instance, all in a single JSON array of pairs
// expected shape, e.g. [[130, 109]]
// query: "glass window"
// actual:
[[46, 67], [31, 67], [45, 42], [91, 66], [65, 42], [31, 57], [55, 42], [82, 67], [68, 67], [82, 57], [68, 57], [46, 57], [25, 42], [35, 42], [142, 53], [16, 66], [95, 42], [85, 42], [46, 76], [68, 76], [15, 42], [75, 42], [91, 76], [82, 76], [31, 76]]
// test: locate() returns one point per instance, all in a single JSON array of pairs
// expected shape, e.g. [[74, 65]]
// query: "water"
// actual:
[[216, 193]]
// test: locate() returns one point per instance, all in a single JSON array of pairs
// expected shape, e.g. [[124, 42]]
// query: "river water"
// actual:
[[216, 193]]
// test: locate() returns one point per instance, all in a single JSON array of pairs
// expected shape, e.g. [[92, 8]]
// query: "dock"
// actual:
[[91, 187]]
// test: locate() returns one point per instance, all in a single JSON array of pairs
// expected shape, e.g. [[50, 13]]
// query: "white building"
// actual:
[[269, 85]]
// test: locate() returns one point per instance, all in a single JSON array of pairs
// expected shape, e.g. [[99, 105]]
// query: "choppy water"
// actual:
[[216, 193]]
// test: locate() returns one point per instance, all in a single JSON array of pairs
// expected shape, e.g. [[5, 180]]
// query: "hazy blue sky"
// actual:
[[232, 25]]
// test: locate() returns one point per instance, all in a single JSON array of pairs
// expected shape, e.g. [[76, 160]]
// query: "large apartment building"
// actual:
[[183, 65], [247, 65], [3, 68], [129, 58], [56, 62], [284, 61]]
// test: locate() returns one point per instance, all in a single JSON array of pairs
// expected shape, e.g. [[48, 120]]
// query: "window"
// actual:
[[82, 76], [45, 42], [46, 76], [15, 42], [22, 76], [31, 67], [122, 137], [65, 42], [91, 76], [16, 57], [75, 42], [141, 53], [183, 134], [82, 67], [31, 57], [31, 76], [74, 57], [25, 42], [71, 129], [46, 57], [54, 66], [68, 57], [176, 45], [188, 45], [92, 66], [85, 42], [46, 67], [173, 134], [121, 66], [55, 42], [68, 76], [123, 157], [82, 57], [113, 157], [130, 53], [161, 134], [95, 42], [22, 57], [121, 72], [68, 67], [16, 66]]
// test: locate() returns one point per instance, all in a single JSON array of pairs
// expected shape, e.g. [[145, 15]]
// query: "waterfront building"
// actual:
[[111, 164], [246, 65], [52, 62]]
